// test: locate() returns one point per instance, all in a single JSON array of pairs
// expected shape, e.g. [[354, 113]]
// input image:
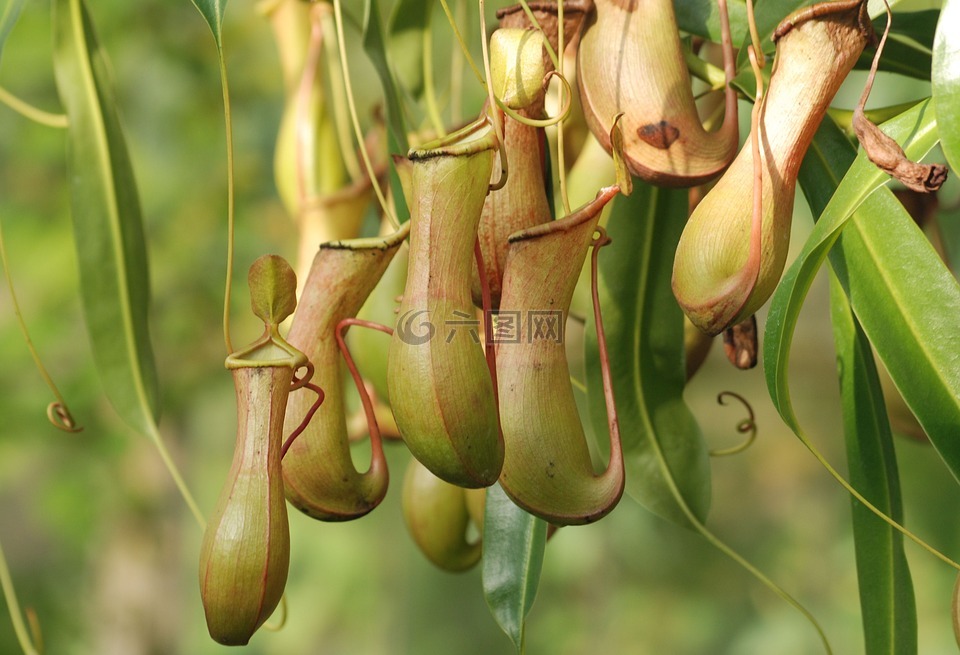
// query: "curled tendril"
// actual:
[[303, 382], [600, 238], [277, 626], [544, 122], [59, 415], [501, 148], [747, 426]]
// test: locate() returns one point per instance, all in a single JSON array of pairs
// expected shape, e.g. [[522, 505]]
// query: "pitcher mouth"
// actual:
[[474, 138]]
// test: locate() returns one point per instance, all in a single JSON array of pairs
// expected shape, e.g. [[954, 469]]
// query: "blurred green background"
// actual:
[[101, 546]]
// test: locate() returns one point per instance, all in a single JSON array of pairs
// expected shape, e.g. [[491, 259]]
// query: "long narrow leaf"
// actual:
[[886, 590], [903, 295], [9, 19], [664, 451], [945, 76], [702, 18], [375, 45], [513, 545], [212, 11], [409, 21], [887, 602], [108, 227]]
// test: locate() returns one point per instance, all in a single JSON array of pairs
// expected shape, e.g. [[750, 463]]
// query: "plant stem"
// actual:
[[340, 112], [228, 127], [154, 435], [358, 133], [429, 91], [13, 607], [463, 44], [33, 113], [456, 73], [66, 423], [561, 153]]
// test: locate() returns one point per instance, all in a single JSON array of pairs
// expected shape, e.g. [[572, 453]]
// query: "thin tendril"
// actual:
[[546, 122], [348, 85], [340, 111], [717, 543], [876, 62], [495, 117], [281, 620], [307, 418], [307, 161], [756, 224], [490, 346], [377, 459], [754, 35], [13, 608], [429, 92], [613, 422], [546, 42], [154, 434], [561, 161], [747, 426], [35, 114], [705, 71], [228, 127], [456, 73], [33, 621], [57, 412], [463, 44]]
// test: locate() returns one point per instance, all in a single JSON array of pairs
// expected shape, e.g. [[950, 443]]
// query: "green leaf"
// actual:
[[409, 22], [108, 227], [909, 45], [9, 19], [212, 11], [945, 77], [917, 26], [663, 448], [513, 545], [887, 601], [904, 297], [902, 57], [375, 46], [702, 18], [769, 14]]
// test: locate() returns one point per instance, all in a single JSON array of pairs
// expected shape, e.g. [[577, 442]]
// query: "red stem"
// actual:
[[489, 344], [613, 422], [306, 419], [376, 444]]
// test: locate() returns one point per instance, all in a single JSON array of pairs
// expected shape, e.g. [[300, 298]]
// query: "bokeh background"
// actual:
[[103, 549]]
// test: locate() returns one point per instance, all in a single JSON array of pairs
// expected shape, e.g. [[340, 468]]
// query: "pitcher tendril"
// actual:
[[35, 114], [57, 411], [747, 426], [354, 118]]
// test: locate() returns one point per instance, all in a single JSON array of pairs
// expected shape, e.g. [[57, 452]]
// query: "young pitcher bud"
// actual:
[[516, 66], [437, 515], [246, 547]]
